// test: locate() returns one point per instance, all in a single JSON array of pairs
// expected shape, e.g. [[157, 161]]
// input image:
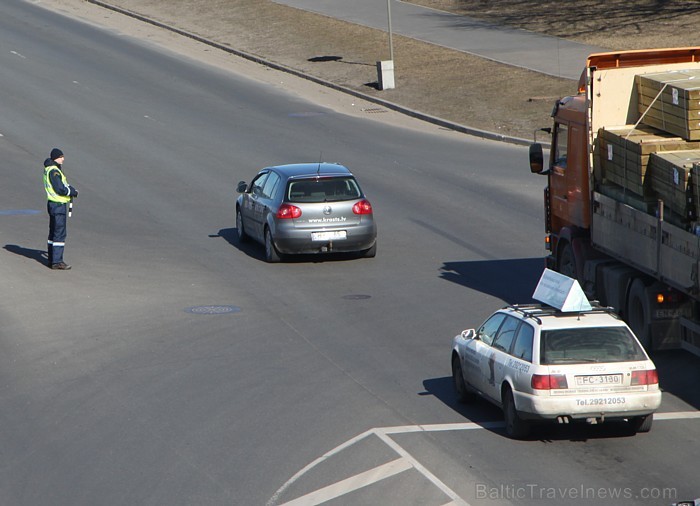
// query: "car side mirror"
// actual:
[[536, 158], [469, 334], [242, 187]]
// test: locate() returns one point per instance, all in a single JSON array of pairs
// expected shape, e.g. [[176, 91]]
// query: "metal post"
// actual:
[[391, 42]]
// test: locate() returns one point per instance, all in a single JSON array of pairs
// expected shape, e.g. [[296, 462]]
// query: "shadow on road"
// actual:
[[481, 412], [35, 254], [679, 374], [513, 281]]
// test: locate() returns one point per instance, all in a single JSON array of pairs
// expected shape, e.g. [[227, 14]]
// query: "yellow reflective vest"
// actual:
[[50, 192]]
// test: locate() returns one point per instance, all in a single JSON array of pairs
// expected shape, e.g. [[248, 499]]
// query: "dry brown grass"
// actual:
[[444, 83]]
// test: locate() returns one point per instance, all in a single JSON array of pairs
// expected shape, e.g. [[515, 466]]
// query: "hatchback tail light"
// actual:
[[288, 211], [648, 377], [548, 382], [362, 207]]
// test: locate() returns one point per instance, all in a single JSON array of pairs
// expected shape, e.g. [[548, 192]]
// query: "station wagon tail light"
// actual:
[[648, 377], [288, 211], [362, 207], [548, 382]]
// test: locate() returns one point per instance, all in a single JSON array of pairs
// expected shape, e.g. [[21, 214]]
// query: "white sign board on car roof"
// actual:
[[561, 292]]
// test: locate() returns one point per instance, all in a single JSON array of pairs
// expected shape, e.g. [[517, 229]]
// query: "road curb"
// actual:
[[389, 105]]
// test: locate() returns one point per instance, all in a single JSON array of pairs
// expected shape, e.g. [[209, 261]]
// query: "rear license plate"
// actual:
[[600, 379], [334, 235]]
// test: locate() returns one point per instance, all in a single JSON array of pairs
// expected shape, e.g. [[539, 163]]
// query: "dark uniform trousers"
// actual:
[[57, 231]]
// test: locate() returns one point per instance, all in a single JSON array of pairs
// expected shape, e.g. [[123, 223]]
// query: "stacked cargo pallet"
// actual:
[[624, 155], [668, 155], [674, 177], [670, 101]]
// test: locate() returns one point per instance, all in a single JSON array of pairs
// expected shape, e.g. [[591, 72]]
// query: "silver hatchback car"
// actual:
[[306, 208]]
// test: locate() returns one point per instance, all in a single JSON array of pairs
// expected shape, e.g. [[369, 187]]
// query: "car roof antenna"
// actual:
[[318, 170]]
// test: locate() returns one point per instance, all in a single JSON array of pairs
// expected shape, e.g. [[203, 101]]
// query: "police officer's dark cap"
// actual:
[[56, 153]]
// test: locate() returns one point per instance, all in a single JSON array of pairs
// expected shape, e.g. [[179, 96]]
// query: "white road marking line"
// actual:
[[384, 432], [404, 429], [423, 470], [311, 465], [676, 415], [351, 484]]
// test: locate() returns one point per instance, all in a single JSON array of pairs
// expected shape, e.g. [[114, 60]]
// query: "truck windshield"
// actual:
[[593, 344]]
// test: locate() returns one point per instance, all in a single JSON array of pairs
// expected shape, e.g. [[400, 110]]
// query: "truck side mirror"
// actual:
[[536, 158]]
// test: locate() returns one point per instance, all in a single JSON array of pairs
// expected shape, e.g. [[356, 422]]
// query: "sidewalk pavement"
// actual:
[[540, 53]]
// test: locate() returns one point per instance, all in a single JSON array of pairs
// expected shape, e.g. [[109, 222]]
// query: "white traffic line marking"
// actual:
[[353, 483], [676, 415], [406, 462], [423, 470]]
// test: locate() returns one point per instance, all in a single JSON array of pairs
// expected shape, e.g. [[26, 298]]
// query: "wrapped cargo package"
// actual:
[[674, 177], [677, 106], [624, 154]]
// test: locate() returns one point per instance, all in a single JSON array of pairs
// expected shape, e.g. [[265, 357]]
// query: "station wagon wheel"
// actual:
[[641, 423], [242, 236], [463, 392], [516, 427], [271, 254]]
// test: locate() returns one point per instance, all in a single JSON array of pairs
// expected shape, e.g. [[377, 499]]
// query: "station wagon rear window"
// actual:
[[585, 345], [323, 190]]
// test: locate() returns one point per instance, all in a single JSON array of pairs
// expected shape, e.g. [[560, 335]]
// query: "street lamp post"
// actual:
[[385, 69], [391, 42]]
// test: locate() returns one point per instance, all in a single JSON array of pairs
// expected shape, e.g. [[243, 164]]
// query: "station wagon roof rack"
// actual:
[[535, 311]]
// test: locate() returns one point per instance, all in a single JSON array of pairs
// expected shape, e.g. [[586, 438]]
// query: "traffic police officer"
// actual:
[[59, 194]]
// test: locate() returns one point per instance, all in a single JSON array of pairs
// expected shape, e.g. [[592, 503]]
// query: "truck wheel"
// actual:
[[639, 313], [567, 262]]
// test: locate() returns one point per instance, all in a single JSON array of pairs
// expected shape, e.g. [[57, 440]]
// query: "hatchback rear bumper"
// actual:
[[295, 241]]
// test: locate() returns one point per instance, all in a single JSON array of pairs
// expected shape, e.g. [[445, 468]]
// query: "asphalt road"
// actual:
[[172, 366]]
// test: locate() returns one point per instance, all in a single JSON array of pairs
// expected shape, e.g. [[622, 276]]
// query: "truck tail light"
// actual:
[[288, 211], [548, 382], [362, 207], [648, 377], [670, 296]]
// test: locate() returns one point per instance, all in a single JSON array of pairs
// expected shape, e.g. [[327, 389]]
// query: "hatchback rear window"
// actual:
[[582, 345], [323, 190]]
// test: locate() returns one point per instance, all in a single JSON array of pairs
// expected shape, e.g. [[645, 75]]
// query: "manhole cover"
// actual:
[[213, 309], [356, 296], [11, 212]]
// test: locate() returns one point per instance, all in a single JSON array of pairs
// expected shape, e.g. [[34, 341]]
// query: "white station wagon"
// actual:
[[541, 364]]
